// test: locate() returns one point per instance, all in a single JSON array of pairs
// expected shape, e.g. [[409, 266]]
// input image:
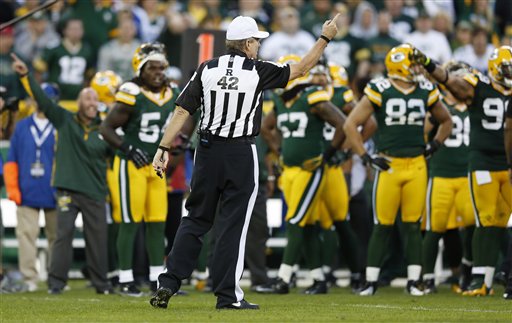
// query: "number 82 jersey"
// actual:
[[400, 115], [151, 114]]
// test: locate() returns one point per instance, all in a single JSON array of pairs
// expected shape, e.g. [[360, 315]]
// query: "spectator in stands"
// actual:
[[149, 20], [435, 8], [381, 44], [481, 15], [35, 36], [365, 21], [314, 14], [477, 53], [443, 23], [8, 78], [255, 9], [402, 24], [429, 41], [68, 62], [289, 39], [28, 172], [116, 55], [80, 180], [462, 35]]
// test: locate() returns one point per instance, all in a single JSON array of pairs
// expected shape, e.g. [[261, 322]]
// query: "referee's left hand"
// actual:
[[160, 162]]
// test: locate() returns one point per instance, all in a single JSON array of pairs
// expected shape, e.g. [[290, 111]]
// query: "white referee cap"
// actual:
[[244, 27]]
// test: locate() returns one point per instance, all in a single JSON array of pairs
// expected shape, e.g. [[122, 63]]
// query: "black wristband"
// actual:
[[430, 66], [164, 148], [325, 38]]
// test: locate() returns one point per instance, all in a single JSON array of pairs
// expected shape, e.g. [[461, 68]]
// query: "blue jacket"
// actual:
[[35, 191]]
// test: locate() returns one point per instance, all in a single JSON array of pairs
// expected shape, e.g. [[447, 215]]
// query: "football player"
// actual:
[[489, 184], [143, 107], [448, 189], [299, 114], [399, 103]]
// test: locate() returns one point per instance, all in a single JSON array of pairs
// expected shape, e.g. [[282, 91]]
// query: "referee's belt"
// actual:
[[209, 138]]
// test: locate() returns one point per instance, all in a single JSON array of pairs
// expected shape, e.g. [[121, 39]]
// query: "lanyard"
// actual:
[[39, 140]]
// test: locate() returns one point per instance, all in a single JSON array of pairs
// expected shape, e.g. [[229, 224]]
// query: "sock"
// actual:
[[285, 272], [489, 276], [326, 269], [312, 246], [490, 245], [125, 242], [329, 244], [453, 248], [412, 242], [295, 236], [155, 242], [317, 274], [413, 272], [429, 252], [154, 272], [125, 276], [350, 245], [372, 274], [467, 247], [378, 245], [476, 244]]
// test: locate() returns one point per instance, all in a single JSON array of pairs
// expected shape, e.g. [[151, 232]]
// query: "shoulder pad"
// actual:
[[317, 94], [130, 88]]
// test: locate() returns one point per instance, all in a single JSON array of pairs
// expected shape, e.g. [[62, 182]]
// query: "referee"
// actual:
[[228, 90]]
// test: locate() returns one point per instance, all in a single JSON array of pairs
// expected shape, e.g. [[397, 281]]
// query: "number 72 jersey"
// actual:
[[487, 118], [151, 114], [400, 115]]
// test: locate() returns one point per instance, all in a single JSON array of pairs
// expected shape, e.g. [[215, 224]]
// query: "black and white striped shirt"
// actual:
[[229, 90]]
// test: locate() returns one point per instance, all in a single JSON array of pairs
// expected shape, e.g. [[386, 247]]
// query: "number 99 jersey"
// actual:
[[400, 115], [486, 115], [151, 114]]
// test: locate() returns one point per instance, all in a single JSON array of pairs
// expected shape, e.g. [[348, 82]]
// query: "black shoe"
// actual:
[[501, 278], [153, 286], [356, 284], [55, 291], [430, 286], [413, 288], [161, 297], [508, 293], [319, 287], [181, 292], [242, 305], [293, 281], [331, 279], [114, 281], [368, 289], [263, 288], [129, 289], [280, 287], [465, 277], [108, 291]]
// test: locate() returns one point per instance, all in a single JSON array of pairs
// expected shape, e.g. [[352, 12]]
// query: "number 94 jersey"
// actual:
[[400, 115], [151, 114], [486, 117]]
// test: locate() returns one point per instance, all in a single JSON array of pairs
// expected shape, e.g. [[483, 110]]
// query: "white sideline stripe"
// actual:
[[422, 308]]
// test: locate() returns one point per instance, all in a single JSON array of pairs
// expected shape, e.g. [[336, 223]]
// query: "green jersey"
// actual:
[[451, 160], [400, 115], [301, 130], [67, 69], [486, 116], [151, 114]]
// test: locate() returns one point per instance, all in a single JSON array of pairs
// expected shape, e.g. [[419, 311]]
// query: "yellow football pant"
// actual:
[[137, 194], [301, 190], [491, 194], [334, 198], [403, 186]]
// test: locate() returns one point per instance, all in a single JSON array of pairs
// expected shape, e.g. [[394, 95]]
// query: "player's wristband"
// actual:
[[429, 65], [164, 148], [327, 40]]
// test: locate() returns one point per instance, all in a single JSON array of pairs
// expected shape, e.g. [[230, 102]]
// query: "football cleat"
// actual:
[[129, 289], [280, 287], [430, 287], [242, 305], [263, 288], [318, 287], [369, 289], [413, 288], [161, 297], [474, 290]]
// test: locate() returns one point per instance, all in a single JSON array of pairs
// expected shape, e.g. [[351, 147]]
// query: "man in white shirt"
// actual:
[[430, 42], [290, 39], [477, 52]]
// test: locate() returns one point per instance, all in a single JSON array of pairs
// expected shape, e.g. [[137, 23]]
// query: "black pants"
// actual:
[[95, 235], [226, 172]]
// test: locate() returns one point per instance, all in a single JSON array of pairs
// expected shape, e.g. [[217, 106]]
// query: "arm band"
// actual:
[[430, 66], [327, 40], [164, 148]]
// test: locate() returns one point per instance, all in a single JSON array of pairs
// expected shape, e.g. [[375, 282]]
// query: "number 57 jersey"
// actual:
[[151, 114], [487, 117], [400, 115]]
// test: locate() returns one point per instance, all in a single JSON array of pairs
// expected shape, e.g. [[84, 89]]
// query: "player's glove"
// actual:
[[138, 156], [377, 162], [417, 57], [181, 144], [431, 148]]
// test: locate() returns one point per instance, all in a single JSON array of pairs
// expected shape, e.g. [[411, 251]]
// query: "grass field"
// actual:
[[81, 304]]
